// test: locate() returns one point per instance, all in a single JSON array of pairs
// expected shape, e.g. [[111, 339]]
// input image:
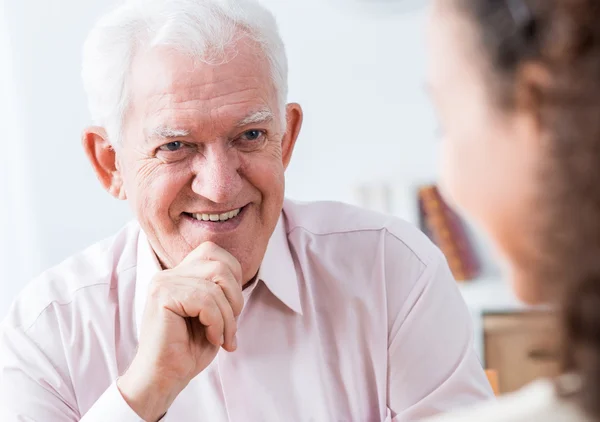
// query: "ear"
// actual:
[[294, 117], [104, 160], [532, 83]]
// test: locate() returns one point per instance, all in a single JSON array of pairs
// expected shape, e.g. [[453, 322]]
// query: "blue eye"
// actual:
[[172, 146], [251, 140], [253, 135]]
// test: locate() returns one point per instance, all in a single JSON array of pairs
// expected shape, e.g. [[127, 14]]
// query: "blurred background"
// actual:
[[370, 138]]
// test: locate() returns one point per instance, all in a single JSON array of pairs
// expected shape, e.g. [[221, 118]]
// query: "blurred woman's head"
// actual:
[[517, 87]]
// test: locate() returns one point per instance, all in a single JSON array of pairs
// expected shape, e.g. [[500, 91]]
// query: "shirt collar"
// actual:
[[277, 271]]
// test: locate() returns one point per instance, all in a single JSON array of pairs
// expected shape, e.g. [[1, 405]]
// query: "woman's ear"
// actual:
[[532, 82], [103, 158], [531, 85]]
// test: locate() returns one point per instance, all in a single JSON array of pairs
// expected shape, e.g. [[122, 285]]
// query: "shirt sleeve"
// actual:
[[111, 406], [432, 363], [33, 389]]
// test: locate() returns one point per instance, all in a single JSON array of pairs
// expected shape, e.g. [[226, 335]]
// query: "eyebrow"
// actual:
[[167, 132], [261, 116]]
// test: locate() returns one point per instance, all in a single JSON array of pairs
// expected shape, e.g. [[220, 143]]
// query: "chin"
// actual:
[[528, 292], [526, 287]]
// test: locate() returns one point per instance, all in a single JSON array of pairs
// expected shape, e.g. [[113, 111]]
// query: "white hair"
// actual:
[[203, 28]]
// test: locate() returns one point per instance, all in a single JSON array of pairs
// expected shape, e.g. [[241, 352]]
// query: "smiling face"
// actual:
[[204, 154]]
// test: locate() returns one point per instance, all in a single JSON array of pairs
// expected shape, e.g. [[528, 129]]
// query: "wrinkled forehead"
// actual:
[[167, 84]]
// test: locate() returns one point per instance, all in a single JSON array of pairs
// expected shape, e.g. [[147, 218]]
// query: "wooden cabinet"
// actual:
[[521, 347]]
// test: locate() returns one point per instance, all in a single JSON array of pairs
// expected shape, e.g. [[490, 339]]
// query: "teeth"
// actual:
[[217, 217]]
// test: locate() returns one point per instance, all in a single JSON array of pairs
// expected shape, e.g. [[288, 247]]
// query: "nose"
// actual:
[[217, 176]]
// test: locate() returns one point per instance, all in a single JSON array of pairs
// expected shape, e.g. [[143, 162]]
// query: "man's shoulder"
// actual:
[[96, 267], [325, 219]]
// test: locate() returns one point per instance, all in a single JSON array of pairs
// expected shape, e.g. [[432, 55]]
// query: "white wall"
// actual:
[[17, 232], [360, 78], [358, 75], [61, 204]]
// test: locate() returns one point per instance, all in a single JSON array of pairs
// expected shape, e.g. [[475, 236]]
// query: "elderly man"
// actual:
[[223, 301]]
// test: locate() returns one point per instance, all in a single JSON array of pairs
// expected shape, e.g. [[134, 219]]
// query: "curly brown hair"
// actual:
[[561, 38]]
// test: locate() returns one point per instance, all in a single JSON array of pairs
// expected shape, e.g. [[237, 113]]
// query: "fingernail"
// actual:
[[234, 342], [222, 339]]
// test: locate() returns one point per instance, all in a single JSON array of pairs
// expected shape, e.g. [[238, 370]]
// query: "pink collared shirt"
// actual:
[[355, 317]]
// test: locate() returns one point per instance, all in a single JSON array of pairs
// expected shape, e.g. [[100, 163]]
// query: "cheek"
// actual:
[[469, 173], [266, 174], [156, 187], [450, 182], [459, 170]]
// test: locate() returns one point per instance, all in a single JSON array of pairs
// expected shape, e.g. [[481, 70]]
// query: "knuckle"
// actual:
[[203, 298], [207, 247], [217, 270], [206, 301], [211, 317], [212, 289], [219, 267]]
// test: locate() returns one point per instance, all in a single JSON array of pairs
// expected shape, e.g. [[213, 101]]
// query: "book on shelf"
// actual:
[[446, 229]]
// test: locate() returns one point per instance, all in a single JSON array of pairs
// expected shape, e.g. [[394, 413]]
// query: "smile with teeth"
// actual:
[[217, 217]]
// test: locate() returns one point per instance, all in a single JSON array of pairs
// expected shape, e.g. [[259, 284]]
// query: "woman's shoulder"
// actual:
[[536, 402]]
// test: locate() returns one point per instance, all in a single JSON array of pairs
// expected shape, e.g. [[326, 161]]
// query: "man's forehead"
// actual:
[[164, 71], [174, 89]]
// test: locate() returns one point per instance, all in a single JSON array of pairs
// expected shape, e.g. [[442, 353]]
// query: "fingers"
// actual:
[[220, 274], [190, 298], [233, 294], [209, 251], [216, 314], [228, 317], [206, 285], [211, 317]]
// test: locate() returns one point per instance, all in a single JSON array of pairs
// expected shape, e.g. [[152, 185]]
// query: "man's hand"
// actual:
[[190, 313]]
